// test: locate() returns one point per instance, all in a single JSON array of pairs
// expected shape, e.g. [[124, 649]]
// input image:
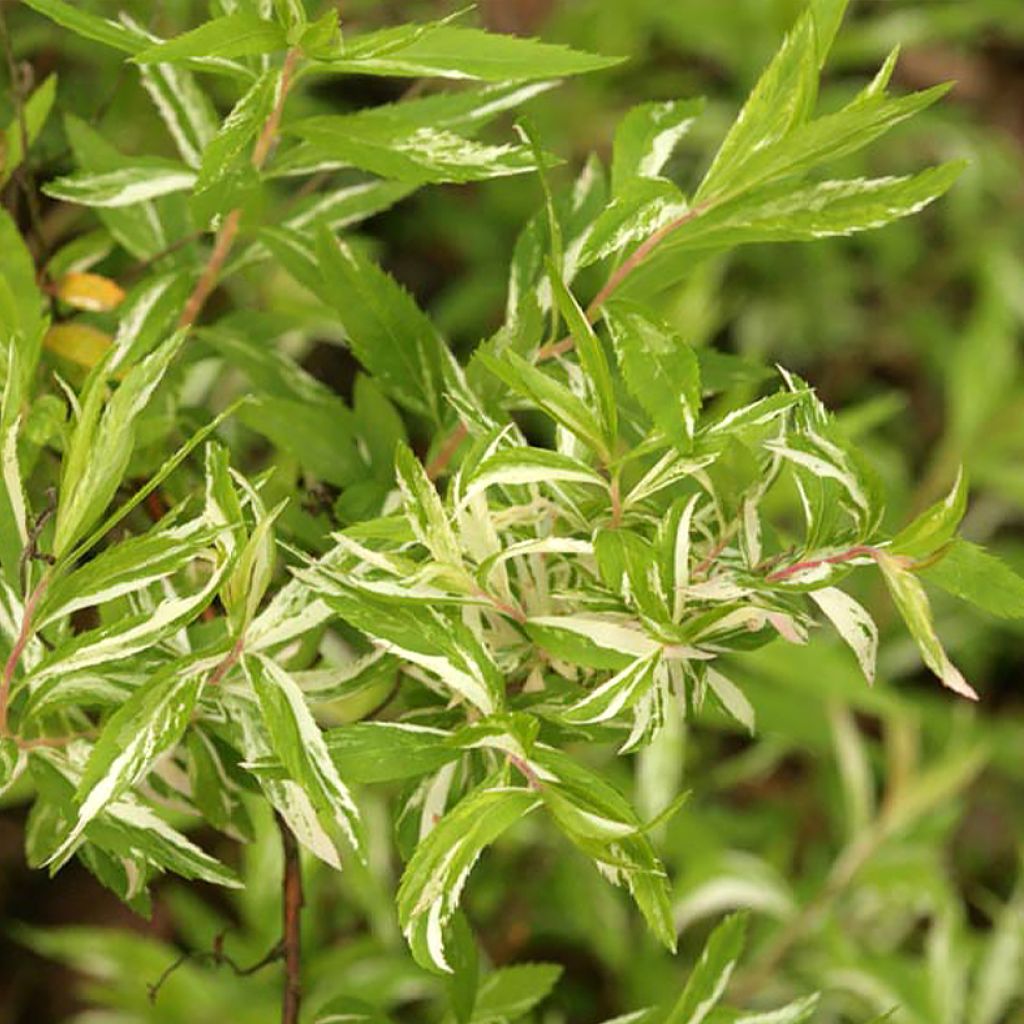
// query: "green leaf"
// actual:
[[732, 698], [126, 567], [382, 142], [451, 51], [796, 1012], [242, 34], [386, 330], [184, 107], [138, 228], [828, 16], [464, 960], [782, 99], [831, 137], [853, 623], [520, 465], [128, 829], [972, 574], [617, 694], [150, 722], [372, 752], [646, 138], [601, 822], [912, 602], [641, 207], [709, 979], [590, 640], [299, 744], [780, 213], [101, 446], [124, 187], [228, 149], [21, 311], [660, 370], [935, 526], [590, 352], [89, 26], [512, 992], [627, 563], [424, 510], [440, 643], [465, 111], [318, 433], [35, 111], [550, 395], [432, 882]]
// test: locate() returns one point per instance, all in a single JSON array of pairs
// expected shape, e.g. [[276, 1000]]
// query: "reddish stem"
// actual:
[[20, 643], [439, 463], [291, 940], [859, 551], [229, 228]]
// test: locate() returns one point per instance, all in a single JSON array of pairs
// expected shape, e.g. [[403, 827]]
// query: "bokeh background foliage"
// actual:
[[875, 833]]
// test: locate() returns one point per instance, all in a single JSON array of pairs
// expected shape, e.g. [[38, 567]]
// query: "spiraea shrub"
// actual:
[[486, 589]]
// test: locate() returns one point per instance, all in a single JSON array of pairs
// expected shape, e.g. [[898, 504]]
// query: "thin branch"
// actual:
[[291, 940], [20, 643], [439, 463], [621, 273], [858, 551], [229, 228], [618, 277], [23, 173], [218, 958]]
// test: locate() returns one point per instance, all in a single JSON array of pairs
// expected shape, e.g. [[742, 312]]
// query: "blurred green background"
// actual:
[[913, 334]]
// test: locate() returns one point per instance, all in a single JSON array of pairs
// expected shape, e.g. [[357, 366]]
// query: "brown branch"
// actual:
[[291, 939], [439, 463], [227, 663], [23, 172], [229, 228], [218, 958], [621, 273], [557, 348]]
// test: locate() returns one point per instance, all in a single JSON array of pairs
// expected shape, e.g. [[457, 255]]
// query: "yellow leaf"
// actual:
[[91, 292], [78, 342]]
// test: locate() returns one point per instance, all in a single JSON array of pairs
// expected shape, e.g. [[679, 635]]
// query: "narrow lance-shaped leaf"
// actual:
[[125, 186], [616, 695], [853, 623], [707, 983], [385, 328], [912, 602], [646, 138], [433, 880], [591, 354], [973, 574], [660, 370], [782, 98], [102, 445], [35, 111], [512, 992], [299, 743], [89, 26], [551, 395], [242, 34], [229, 147], [935, 526], [424, 509], [148, 724], [451, 51]]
